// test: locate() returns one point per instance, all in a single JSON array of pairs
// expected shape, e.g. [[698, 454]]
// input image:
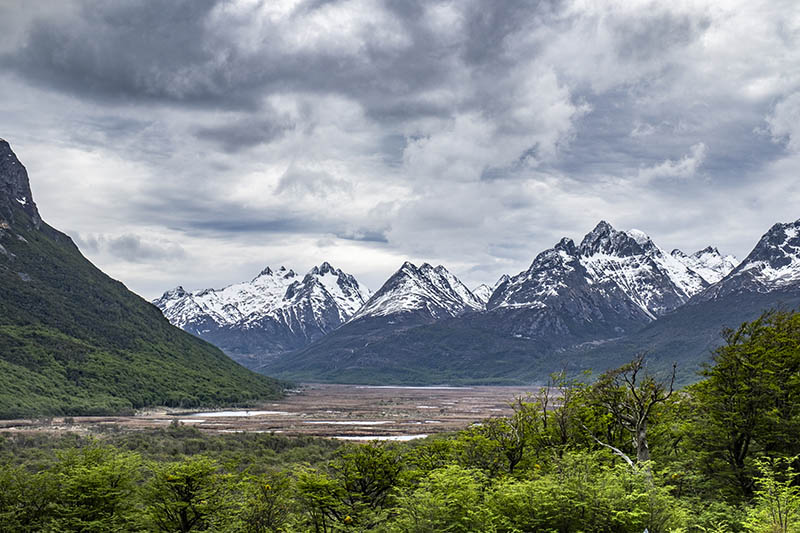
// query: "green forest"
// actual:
[[74, 342], [625, 452]]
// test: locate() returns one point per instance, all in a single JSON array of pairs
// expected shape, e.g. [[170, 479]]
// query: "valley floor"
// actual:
[[354, 412]]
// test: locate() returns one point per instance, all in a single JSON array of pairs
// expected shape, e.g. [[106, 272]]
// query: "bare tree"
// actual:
[[629, 394]]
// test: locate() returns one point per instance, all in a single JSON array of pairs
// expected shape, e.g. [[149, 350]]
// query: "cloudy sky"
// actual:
[[194, 142]]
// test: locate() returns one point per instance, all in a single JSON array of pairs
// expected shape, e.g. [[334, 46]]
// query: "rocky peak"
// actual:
[[708, 250], [324, 268], [773, 264], [778, 247], [483, 292], [604, 239], [177, 292], [15, 189]]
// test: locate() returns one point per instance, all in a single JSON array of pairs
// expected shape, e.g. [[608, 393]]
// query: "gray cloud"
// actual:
[[245, 133], [129, 247], [235, 133]]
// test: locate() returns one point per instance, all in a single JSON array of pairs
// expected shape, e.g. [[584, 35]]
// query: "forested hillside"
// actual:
[[74, 341], [625, 453]]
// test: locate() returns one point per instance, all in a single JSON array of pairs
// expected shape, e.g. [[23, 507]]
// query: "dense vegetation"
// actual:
[[626, 453], [74, 341]]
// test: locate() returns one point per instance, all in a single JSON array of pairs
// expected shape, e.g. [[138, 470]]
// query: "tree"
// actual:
[[629, 394], [448, 499], [749, 403], [186, 496], [777, 508], [513, 434], [98, 490], [265, 505]]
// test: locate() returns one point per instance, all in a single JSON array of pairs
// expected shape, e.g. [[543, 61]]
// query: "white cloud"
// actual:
[[784, 122], [472, 134], [686, 167]]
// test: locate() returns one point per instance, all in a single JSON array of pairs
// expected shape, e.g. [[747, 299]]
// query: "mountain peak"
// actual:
[[177, 292], [427, 292], [566, 244], [605, 239], [15, 189], [603, 227], [775, 260], [639, 236], [707, 250], [324, 268]]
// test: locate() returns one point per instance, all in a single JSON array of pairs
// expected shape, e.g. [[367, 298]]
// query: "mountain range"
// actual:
[[274, 313], [74, 341], [578, 306]]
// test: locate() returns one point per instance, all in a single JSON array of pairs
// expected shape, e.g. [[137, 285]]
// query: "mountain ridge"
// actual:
[[609, 286], [274, 313]]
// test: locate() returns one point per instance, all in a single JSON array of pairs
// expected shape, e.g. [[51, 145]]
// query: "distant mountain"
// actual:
[[427, 293], [711, 265], [626, 269], [611, 285], [483, 292], [74, 341], [274, 313], [412, 297], [772, 266], [769, 277]]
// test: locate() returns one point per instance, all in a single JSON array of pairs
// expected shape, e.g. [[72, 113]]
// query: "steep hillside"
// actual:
[[74, 341]]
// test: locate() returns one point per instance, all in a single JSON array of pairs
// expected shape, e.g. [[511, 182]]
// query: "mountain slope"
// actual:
[[276, 312], [74, 341], [610, 286], [769, 277], [412, 297], [427, 292]]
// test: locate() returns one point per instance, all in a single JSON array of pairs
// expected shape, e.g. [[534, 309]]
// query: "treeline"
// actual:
[[624, 453]]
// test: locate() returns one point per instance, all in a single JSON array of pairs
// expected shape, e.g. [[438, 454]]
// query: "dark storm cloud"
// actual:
[[172, 51], [472, 132], [245, 133], [128, 49]]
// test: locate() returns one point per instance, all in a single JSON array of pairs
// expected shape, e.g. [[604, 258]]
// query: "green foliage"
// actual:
[[555, 465], [449, 499], [777, 502], [266, 504], [749, 403], [586, 493], [97, 490], [191, 495], [75, 342]]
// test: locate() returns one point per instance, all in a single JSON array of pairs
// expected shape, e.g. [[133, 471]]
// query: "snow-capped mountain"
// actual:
[[483, 292], [773, 265], [275, 312], [709, 263], [768, 278], [428, 292], [622, 267], [591, 305]]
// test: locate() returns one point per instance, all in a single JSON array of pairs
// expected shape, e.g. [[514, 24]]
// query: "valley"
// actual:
[[349, 412]]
